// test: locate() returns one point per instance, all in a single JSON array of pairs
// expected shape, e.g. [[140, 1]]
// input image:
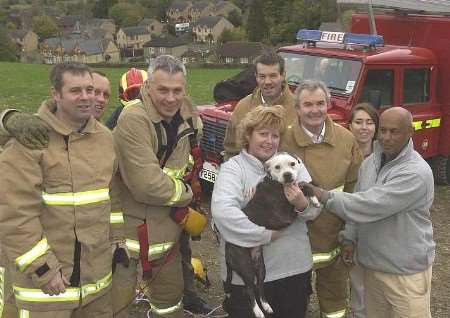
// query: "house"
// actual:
[[153, 26], [208, 29], [237, 52], [27, 41], [172, 45], [179, 12], [195, 56], [201, 9], [132, 37], [69, 23], [57, 50]]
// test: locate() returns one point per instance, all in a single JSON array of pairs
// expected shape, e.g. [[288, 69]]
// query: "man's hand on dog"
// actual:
[[322, 195], [295, 196]]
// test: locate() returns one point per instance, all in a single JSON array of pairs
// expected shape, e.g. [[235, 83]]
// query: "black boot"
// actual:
[[196, 305]]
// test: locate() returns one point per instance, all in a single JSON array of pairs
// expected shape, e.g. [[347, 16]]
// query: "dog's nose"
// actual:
[[287, 176]]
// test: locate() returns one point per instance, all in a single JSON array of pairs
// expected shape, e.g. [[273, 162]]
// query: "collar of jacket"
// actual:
[[284, 98], [47, 113], [404, 155], [252, 160], [186, 110], [303, 140]]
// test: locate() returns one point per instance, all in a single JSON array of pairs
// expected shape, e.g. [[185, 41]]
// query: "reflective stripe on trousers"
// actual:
[[153, 249], [116, 217], [71, 293], [24, 313], [336, 314], [2, 289], [165, 311], [328, 257], [76, 198], [29, 257]]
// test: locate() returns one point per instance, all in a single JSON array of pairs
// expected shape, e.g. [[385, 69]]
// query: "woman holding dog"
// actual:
[[287, 253], [364, 126]]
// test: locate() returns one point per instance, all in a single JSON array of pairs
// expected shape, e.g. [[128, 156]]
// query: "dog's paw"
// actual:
[[315, 202], [266, 307], [257, 311]]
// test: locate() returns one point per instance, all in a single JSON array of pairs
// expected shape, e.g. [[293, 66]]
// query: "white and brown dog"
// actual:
[[269, 208]]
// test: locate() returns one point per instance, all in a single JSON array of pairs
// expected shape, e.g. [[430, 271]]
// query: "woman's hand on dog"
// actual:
[[295, 196], [275, 235]]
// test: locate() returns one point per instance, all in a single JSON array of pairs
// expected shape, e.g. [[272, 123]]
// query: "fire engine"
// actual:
[[405, 63]]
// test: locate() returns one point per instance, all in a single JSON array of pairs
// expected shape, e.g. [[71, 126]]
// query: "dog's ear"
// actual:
[[296, 157]]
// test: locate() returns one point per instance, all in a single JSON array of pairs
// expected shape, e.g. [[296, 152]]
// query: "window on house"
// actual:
[[244, 60], [229, 60], [416, 86], [162, 50]]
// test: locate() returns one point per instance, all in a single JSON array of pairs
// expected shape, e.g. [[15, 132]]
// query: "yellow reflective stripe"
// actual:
[[153, 249], [29, 257], [336, 314], [175, 173], [433, 123], [133, 245], [190, 162], [131, 103], [116, 218], [76, 198], [71, 294], [177, 191], [338, 189], [160, 248], [417, 125], [2, 289], [165, 311], [23, 313], [326, 257]]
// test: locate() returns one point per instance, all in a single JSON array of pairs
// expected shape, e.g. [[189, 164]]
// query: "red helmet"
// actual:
[[130, 83]]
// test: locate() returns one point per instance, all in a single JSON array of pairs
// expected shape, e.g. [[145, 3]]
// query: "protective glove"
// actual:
[[192, 221], [29, 130], [120, 255]]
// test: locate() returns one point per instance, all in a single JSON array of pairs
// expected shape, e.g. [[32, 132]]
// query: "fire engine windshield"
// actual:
[[339, 74]]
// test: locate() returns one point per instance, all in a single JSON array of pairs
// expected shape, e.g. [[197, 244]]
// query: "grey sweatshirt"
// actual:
[[288, 255], [391, 211]]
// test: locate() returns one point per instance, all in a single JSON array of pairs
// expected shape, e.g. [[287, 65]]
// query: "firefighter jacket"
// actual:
[[333, 165], [231, 141], [148, 192], [55, 214]]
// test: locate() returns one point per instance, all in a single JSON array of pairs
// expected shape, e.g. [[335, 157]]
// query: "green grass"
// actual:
[[25, 86]]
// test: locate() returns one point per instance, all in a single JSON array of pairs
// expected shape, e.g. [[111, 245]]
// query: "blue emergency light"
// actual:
[[313, 36]]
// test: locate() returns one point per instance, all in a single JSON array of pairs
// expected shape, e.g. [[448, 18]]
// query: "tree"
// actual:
[[8, 49], [126, 14], [101, 8], [44, 26], [235, 34], [257, 26], [235, 18]]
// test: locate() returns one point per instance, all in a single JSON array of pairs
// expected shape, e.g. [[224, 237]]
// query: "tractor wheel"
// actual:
[[441, 169]]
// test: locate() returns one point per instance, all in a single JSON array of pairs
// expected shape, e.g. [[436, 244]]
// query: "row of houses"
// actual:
[[189, 12]]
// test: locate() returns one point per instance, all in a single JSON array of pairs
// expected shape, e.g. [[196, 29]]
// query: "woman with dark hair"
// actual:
[[364, 126]]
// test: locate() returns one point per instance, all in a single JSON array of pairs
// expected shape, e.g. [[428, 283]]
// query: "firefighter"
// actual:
[[332, 157], [55, 210], [153, 140]]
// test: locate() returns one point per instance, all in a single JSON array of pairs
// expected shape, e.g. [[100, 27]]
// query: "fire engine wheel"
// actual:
[[441, 169]]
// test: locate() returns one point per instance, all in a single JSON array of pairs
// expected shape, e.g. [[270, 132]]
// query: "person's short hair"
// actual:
[[270, 57], [58, 71], [99, 73], [166, 63], [259, 118], [370, 110], [310, 86]]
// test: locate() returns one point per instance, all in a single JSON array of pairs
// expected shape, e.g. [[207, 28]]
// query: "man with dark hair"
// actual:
[[272, 90], [55, 210]]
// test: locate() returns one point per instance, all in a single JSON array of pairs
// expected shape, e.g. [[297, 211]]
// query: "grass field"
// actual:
[[25, 86]]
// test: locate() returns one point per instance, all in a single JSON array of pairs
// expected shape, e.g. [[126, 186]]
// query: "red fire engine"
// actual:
[[407, 64]]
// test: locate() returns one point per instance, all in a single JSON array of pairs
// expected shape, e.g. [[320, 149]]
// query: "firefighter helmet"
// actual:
[[130, 83]]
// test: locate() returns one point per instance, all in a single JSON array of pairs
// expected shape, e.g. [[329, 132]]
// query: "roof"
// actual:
[[209, 22], [148, 21], [200, 5], [90, 47], [136, 30], [69, 20], [240, 49], [166, 41], [180, 6], [18, 34]]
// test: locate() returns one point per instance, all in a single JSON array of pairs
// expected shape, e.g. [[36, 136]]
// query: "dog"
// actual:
[[269, 208]]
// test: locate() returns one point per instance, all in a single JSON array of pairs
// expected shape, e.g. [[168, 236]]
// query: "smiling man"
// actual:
[[271, 89], [102, 93], [55, 207], [332, 157]]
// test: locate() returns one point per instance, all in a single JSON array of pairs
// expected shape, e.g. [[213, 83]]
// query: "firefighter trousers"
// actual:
[[164, 289], [99, 308], [331, 287]]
